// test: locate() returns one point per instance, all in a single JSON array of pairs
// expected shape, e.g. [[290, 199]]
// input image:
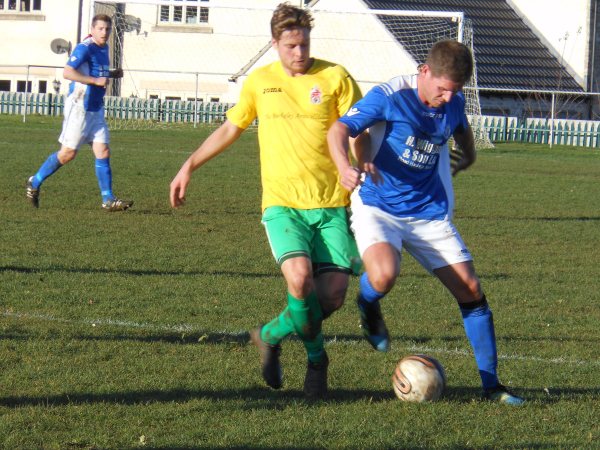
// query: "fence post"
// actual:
[[559, 134]]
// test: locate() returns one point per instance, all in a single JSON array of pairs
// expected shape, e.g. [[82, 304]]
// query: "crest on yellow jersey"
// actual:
[[315, 95]]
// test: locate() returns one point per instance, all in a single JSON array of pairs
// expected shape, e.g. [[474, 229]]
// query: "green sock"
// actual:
[[307, 317], [278, 328]]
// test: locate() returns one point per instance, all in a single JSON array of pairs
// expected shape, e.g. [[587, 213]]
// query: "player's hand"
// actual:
[[115, 73], [178, 187], [461, 165], [370, 169], [101, 82], [350, 178]]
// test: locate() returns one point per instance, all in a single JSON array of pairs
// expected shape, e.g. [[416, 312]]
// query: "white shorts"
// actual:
[[82, 127], [433, 243]]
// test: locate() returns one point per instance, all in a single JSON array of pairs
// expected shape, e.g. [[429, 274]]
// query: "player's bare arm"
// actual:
[[214, 144], [466, 142], [362, 151], [338, 138], [72, 74], [340, 142]]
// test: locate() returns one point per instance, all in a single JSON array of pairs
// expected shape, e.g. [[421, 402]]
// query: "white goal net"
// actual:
[[185, 60]]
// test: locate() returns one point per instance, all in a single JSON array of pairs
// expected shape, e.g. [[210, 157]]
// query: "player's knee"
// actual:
[[66, 155], [331, 305], [300, 284], [474, 287], [383, 280], [471, 290]]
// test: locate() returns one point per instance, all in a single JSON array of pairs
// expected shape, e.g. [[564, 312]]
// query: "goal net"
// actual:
[[185, 60]]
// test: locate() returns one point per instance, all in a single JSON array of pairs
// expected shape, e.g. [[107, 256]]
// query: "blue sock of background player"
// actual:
[[104, 175], [51, 165]]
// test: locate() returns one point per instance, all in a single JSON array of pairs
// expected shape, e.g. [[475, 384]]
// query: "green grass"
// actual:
[[122, 331]]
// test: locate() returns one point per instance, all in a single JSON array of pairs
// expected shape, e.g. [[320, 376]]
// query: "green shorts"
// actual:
[[323, 235]]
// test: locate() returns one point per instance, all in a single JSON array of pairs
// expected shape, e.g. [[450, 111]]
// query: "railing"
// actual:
[[499, 129], [134, 109], [24, 104], [584, 133]]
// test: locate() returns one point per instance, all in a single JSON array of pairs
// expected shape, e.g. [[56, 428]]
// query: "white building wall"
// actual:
[[563, 26], [234, 37], [25, 40]]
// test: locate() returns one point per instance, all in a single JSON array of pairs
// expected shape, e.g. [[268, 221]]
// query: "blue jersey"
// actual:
[[89, 59], [409, 149]]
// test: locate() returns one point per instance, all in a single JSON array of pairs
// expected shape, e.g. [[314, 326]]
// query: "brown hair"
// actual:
[[287, 16], [450, 59], [101, 18]]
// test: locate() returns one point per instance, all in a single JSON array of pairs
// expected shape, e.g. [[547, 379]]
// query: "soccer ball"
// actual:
[[418, 378]]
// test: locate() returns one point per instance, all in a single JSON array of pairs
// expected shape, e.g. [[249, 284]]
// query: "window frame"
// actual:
[[190, 13], [21, 6]]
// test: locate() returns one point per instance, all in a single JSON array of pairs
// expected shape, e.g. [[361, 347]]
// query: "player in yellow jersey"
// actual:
[[296, 100]]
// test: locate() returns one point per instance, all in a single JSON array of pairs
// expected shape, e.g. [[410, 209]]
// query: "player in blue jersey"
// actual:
[[88, 70], [403, 196]]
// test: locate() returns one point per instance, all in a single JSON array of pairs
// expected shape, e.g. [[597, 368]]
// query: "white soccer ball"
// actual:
[[418, 378]]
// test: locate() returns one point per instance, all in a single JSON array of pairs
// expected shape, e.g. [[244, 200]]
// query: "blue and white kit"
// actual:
[[92, 60], [84, 108], [412, 207], [409, 144]]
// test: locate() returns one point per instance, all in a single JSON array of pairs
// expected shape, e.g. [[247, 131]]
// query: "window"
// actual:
[[192, 13], [42, 86], [4, 85], [20, 5], [21, 86]]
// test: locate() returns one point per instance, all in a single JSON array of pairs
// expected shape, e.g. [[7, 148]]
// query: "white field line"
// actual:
[[187, 328]]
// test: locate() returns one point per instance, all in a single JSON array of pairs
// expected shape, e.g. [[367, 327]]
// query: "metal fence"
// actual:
[[499, 129], [119, 108], [583, 133]]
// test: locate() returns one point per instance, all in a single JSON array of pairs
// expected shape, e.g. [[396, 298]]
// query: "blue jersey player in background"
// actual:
[[88, 70], [403, 196]]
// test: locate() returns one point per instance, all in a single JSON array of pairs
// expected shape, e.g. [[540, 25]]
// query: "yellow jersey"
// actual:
[[294, 115]]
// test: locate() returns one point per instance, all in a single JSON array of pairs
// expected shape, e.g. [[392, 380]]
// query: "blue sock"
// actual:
[[104, 175], [479, 327], [51, 165], [367, 291]]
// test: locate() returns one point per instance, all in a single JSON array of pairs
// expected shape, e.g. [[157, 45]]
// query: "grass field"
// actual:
[[129, 330]]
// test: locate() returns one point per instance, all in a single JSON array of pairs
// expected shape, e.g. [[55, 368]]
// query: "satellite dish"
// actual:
[[132, 23], [60, 46]]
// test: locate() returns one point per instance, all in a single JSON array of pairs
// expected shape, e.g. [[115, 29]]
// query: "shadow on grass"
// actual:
[[522, 445], [539, 219], [140, 273], [210, 337], [234, 447], [199, 337], [253, 398], [240, 339]]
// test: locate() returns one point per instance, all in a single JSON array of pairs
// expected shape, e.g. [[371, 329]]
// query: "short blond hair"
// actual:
[[286, 17]]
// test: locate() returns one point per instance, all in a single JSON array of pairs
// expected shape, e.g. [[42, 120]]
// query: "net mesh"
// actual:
[[215, 52]]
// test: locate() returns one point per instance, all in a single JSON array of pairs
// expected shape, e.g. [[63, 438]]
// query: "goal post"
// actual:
[[190, 54]]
